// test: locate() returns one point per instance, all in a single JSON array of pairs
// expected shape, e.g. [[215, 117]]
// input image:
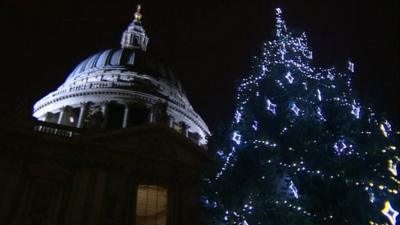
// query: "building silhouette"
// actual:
[[117, 143]]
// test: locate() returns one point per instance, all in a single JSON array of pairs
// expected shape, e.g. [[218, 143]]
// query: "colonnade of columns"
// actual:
[[68, 117], [83, 111]]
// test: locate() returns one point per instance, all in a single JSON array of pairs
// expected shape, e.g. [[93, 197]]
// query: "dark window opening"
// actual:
[[115, 116], [138, 115]]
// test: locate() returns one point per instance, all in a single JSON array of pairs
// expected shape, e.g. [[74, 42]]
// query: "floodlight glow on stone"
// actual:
[[271, 107], [295, 109], [390, 213], [289, 77], [236, 138]]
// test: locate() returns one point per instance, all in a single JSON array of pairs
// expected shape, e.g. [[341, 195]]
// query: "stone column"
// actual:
[[151, 115], [95, 215], [170, 121], [61, 116], [82, 115], [126, 117], [78, 196], [185, 129], [104, 110], [10, 192]]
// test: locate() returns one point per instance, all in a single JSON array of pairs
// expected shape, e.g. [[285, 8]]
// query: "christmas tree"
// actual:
[[302, 148]]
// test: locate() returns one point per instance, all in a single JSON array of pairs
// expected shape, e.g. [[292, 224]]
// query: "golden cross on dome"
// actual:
[[138, 15]]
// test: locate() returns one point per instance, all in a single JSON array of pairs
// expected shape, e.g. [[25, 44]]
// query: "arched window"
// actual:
[[151, 205]]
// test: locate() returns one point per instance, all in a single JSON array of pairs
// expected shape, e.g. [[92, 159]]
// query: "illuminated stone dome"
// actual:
[[120, 88]]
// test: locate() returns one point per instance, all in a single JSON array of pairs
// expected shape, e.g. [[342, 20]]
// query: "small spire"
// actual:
[[138, 15], [134, 37]]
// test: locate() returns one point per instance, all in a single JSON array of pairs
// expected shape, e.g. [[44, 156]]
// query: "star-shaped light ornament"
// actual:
[[385, 128], [271, 107], [319, 112], [293, 189], [236, 138], [341, 148], [295, 109], [289, 77], [392, 167], [390, 213], [255, 125], [351, 66], [238, 116], [319, 95], [356, 110], [330, 76]]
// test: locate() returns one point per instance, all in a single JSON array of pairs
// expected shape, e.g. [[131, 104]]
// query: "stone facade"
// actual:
[[66, 176]]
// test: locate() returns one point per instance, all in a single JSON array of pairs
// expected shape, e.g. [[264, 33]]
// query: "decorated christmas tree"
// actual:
[[302, 149]]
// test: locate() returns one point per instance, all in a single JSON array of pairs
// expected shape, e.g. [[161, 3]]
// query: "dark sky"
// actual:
[[209, 44]]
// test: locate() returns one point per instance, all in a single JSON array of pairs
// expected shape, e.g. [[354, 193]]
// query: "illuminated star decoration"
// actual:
[[341, 148], [289, 77], [255, 125], [220, 153], [356, 110], [319, 95], [271, 106], [295, 109], [238, 116], [351, 66], [294, 190], [319, 112], [385, 128], [236, 138], [372, 197], [283, 53], [392, 167], [308, 54], [390, 213]]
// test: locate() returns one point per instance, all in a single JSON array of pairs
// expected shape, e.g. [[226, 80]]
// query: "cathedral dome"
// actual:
[[124, 59], [122, 87]]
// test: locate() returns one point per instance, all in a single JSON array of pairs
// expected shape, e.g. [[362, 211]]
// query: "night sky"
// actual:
[[209, 44]]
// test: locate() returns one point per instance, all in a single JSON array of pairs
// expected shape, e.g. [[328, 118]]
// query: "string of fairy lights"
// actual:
[[292, 53]]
